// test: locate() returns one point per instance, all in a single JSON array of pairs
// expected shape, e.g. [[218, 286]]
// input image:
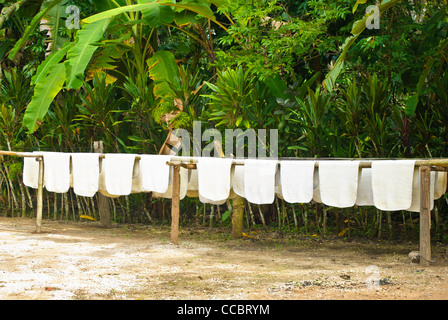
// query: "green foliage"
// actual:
[[231, 98], [311, 69], [358, 27], [78, 57], [155, 12], [157, 15], [163, 71], [53, 59], [101, 112], [44, 93], [31, 27]]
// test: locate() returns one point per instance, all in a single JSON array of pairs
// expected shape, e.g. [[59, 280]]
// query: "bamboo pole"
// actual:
[[437, 163], [363, 163]]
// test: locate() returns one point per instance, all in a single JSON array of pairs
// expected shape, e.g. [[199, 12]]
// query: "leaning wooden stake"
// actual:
[[175, 205], [40, 186], [425, 215]]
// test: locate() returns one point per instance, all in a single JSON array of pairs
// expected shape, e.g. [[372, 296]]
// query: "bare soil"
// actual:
[[81, 260]]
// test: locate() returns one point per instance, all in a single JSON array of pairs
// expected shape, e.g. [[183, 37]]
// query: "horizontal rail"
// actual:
[[364, 163]]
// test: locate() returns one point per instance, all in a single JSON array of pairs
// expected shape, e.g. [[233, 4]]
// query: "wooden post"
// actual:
[[40, 186], [103, 201], [175, 205], [238, 206], [425, 215]]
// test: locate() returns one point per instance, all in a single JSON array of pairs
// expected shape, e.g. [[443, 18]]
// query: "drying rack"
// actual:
[[426, 166]]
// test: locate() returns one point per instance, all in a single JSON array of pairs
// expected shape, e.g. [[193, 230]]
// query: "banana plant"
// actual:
[[67, 69]]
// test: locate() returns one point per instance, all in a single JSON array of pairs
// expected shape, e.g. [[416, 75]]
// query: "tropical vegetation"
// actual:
[[132, 71]]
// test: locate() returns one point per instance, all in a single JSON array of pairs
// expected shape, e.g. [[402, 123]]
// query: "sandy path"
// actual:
[[81, 261]]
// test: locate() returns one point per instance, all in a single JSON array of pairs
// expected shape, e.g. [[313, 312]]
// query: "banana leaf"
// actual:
[[104, 5], [195, 7], [44, 93], [163, 70], [51, 60], [157, 15], [80, 54]]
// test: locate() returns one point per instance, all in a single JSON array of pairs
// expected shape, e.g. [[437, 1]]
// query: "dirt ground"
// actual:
[[80, 260]]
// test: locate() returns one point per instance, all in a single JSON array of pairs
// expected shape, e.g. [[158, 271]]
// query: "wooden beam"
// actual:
[[40, 186], [437, 163], [175, 205], [425, 215], [363, 163], [183, 165], [439, 168], [103, 201]]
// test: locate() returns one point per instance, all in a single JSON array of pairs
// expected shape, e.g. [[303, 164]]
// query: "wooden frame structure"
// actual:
[[426, 166]]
